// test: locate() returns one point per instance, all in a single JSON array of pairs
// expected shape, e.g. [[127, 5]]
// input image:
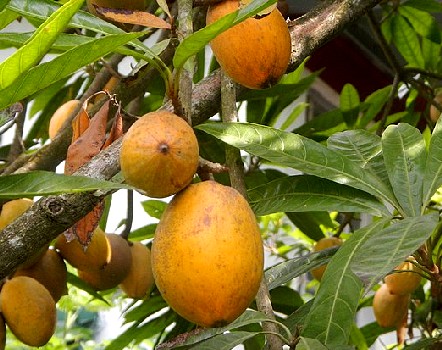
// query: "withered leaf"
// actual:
[[141, 18]]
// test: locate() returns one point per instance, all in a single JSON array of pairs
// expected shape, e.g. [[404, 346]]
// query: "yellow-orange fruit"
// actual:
[[12, 209], [389, 309], [29, 310], [2, 333], [50, 271], [114, 272], [322, 244], [139, 280], [255, 52], [434, 112], [207, 254], [403, 283], [60, 116], [159, 154], [95, 257]]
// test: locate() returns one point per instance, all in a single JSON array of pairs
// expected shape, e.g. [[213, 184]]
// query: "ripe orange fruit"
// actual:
[[322, 244], [255, 52], [115, 271], [50, 271], [60, 116], [159, 154], [12, 209], [94, 257], [207, 254], [29, 310], [389, 309], [139, 280], [402, 283]]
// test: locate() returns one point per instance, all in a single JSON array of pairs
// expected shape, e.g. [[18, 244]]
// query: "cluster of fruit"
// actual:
[[30, 294], [390, 303], [192, 260]]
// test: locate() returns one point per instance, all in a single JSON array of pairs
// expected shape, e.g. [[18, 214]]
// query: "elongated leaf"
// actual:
[[42, 9], [427, 5], [38, 45], [7, 17], [349, 103], [421, 21], [300, 153], [43, 183], [310, 223], [310, 193], [284, 272], [362, 147], [154, 207], [198, 40], [63, 42], [310, 344], [403, 148], [45, 74], [407, 41], [390, 246], [248, 317], [433, 169], [334, 307], [375, 102], [226, 341]]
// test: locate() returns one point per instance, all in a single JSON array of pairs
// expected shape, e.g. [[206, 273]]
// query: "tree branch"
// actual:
[[52, 215]]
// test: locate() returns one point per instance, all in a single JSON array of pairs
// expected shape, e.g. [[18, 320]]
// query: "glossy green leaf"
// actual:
[[421, 21], [284, 272], [311, 223], [324, 124], [310, 193], [349, 103], [363, 148], [154, 207], [43, 183], [407, 41], [334, 307], [63, 42], [431, 53], [433, 169], [299, 153], [38, 45], [226, 341], [404, 152], [42, 9], [390, 246], [197, 41], [248, 317], [45, 74], [310, 344], [374, 104], [145, 309]]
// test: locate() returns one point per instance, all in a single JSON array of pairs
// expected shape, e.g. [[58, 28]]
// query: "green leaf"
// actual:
[[38, 45], [43, 183], [310, 223], [299, 153], [374, 103], [7, 17], [390, 246], [324, 124], [310, 344], [47, 73], [421, 21], [226, 341], [363, 148], [145, 309], [192, 44], [154, 207], [349, 104], [284, 272], [426, 5], [42, 9], [403, 148], [424, 344], [63, 42], [248, 317], [433, 169], [334, 307], [431, 53], [407, 41], [310, 193]]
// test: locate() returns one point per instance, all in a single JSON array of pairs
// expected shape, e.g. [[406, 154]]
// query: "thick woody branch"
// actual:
[[52, 215]]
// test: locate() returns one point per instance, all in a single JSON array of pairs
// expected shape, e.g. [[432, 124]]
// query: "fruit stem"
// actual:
[[229, 114]]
